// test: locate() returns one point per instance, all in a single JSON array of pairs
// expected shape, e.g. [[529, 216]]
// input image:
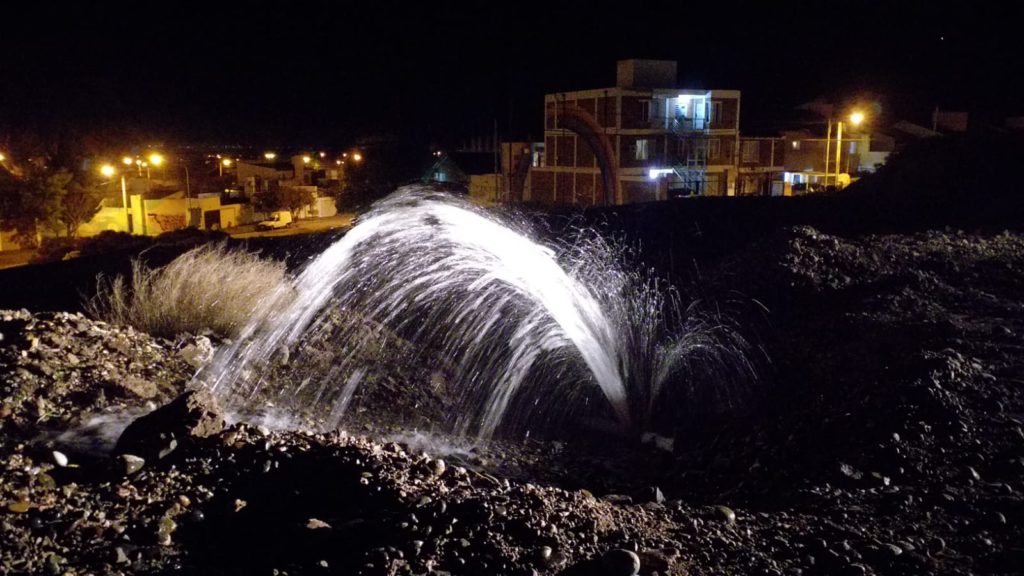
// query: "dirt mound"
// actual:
[[887, 440]]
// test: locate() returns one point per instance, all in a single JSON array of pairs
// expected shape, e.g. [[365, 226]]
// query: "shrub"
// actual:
[[54, 249], [209, 288], [110, 241]]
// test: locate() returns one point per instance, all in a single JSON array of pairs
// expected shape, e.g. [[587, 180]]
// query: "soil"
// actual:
[[884, 436]]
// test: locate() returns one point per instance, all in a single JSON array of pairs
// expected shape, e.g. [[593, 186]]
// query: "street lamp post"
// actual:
[[855, 120], [108, 171]]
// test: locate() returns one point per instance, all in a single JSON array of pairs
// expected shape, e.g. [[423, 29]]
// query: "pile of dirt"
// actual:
[[888, 438], [56, 367]]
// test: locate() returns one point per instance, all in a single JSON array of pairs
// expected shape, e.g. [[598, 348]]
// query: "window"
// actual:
[[645, 110], [751, 150], [716, 113], [643, 149], [714, 148]]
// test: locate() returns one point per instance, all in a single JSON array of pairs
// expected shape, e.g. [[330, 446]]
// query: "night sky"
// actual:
[[329, 72]]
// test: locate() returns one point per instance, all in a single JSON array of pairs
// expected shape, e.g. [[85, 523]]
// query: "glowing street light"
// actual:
[[225, 163], [357, 157], [127, 161], [2, 157], [269, 155], [306, 159], [156, 159], [856, 118], [108, 171]]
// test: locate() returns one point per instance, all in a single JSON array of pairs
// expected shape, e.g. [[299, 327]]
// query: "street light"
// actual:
[[855, 118], [225, 163], [357, 157], [2, 157], [109, 171], [155, 160]]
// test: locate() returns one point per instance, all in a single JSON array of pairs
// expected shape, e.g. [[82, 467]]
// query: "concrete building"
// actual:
[[644, 140]]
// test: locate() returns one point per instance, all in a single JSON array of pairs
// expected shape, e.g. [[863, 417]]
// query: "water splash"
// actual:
[[455, 286]]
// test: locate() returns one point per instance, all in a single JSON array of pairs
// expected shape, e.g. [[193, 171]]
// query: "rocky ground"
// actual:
[[885, 438]]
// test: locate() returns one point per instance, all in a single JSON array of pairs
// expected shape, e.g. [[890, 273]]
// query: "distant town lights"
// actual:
[[357, 157], [107, 170], [156, 159], [127, 161]]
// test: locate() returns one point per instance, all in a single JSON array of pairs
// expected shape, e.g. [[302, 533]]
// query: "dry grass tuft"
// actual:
[[209, 288]]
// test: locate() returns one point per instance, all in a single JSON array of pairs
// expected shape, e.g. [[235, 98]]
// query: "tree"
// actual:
[[296, 198], [80, 203], [35, 199], [282, 198], [268, 200]]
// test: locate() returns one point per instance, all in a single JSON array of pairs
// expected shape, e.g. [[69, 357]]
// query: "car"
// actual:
[[279, 219]]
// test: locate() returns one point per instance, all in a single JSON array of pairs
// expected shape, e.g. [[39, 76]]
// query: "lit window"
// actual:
[[643, 148], [795, 144]]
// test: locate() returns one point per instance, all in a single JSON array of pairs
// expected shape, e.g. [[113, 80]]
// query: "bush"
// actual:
[[110, 241], [54, 249], [209, 288]]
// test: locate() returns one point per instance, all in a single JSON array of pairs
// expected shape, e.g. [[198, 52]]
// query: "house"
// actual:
[[644, 140]]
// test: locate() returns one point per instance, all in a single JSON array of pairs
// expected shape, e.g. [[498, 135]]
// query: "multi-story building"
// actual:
[[643, 140]]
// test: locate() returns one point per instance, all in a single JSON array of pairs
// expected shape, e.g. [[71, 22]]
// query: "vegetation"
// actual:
[[289, 198], [49, 198], [209, 288]]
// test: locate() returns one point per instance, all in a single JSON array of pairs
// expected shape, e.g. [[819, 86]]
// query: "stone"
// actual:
[[194, 414], [725, 514], [198, 352], [620, 562], [316, 524], [130, 463], [60, 459]]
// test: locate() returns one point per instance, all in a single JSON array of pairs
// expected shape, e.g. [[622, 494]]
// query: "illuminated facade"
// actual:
[[643, 140]]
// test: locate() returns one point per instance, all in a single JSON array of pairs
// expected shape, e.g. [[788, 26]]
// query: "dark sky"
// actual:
[[326, 72]]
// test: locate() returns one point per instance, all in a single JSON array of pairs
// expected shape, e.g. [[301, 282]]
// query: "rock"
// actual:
[[651, 494], [620, 563], [122, 558], [725, 514], [139, 387], [19, 507], [316, 524], [194, 414], [544, 553], [198, 352], [130, 463], [654, 561], [60, 458], [850, 472]]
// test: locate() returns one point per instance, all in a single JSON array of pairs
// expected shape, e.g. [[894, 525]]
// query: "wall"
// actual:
[[485, 189]]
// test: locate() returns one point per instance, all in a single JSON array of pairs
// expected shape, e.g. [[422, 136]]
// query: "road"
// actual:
[[309, 226]]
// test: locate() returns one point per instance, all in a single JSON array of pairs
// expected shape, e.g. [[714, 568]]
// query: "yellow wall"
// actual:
[[483, 190]]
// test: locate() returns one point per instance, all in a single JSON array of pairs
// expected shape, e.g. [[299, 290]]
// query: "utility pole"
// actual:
[[839, 149]]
